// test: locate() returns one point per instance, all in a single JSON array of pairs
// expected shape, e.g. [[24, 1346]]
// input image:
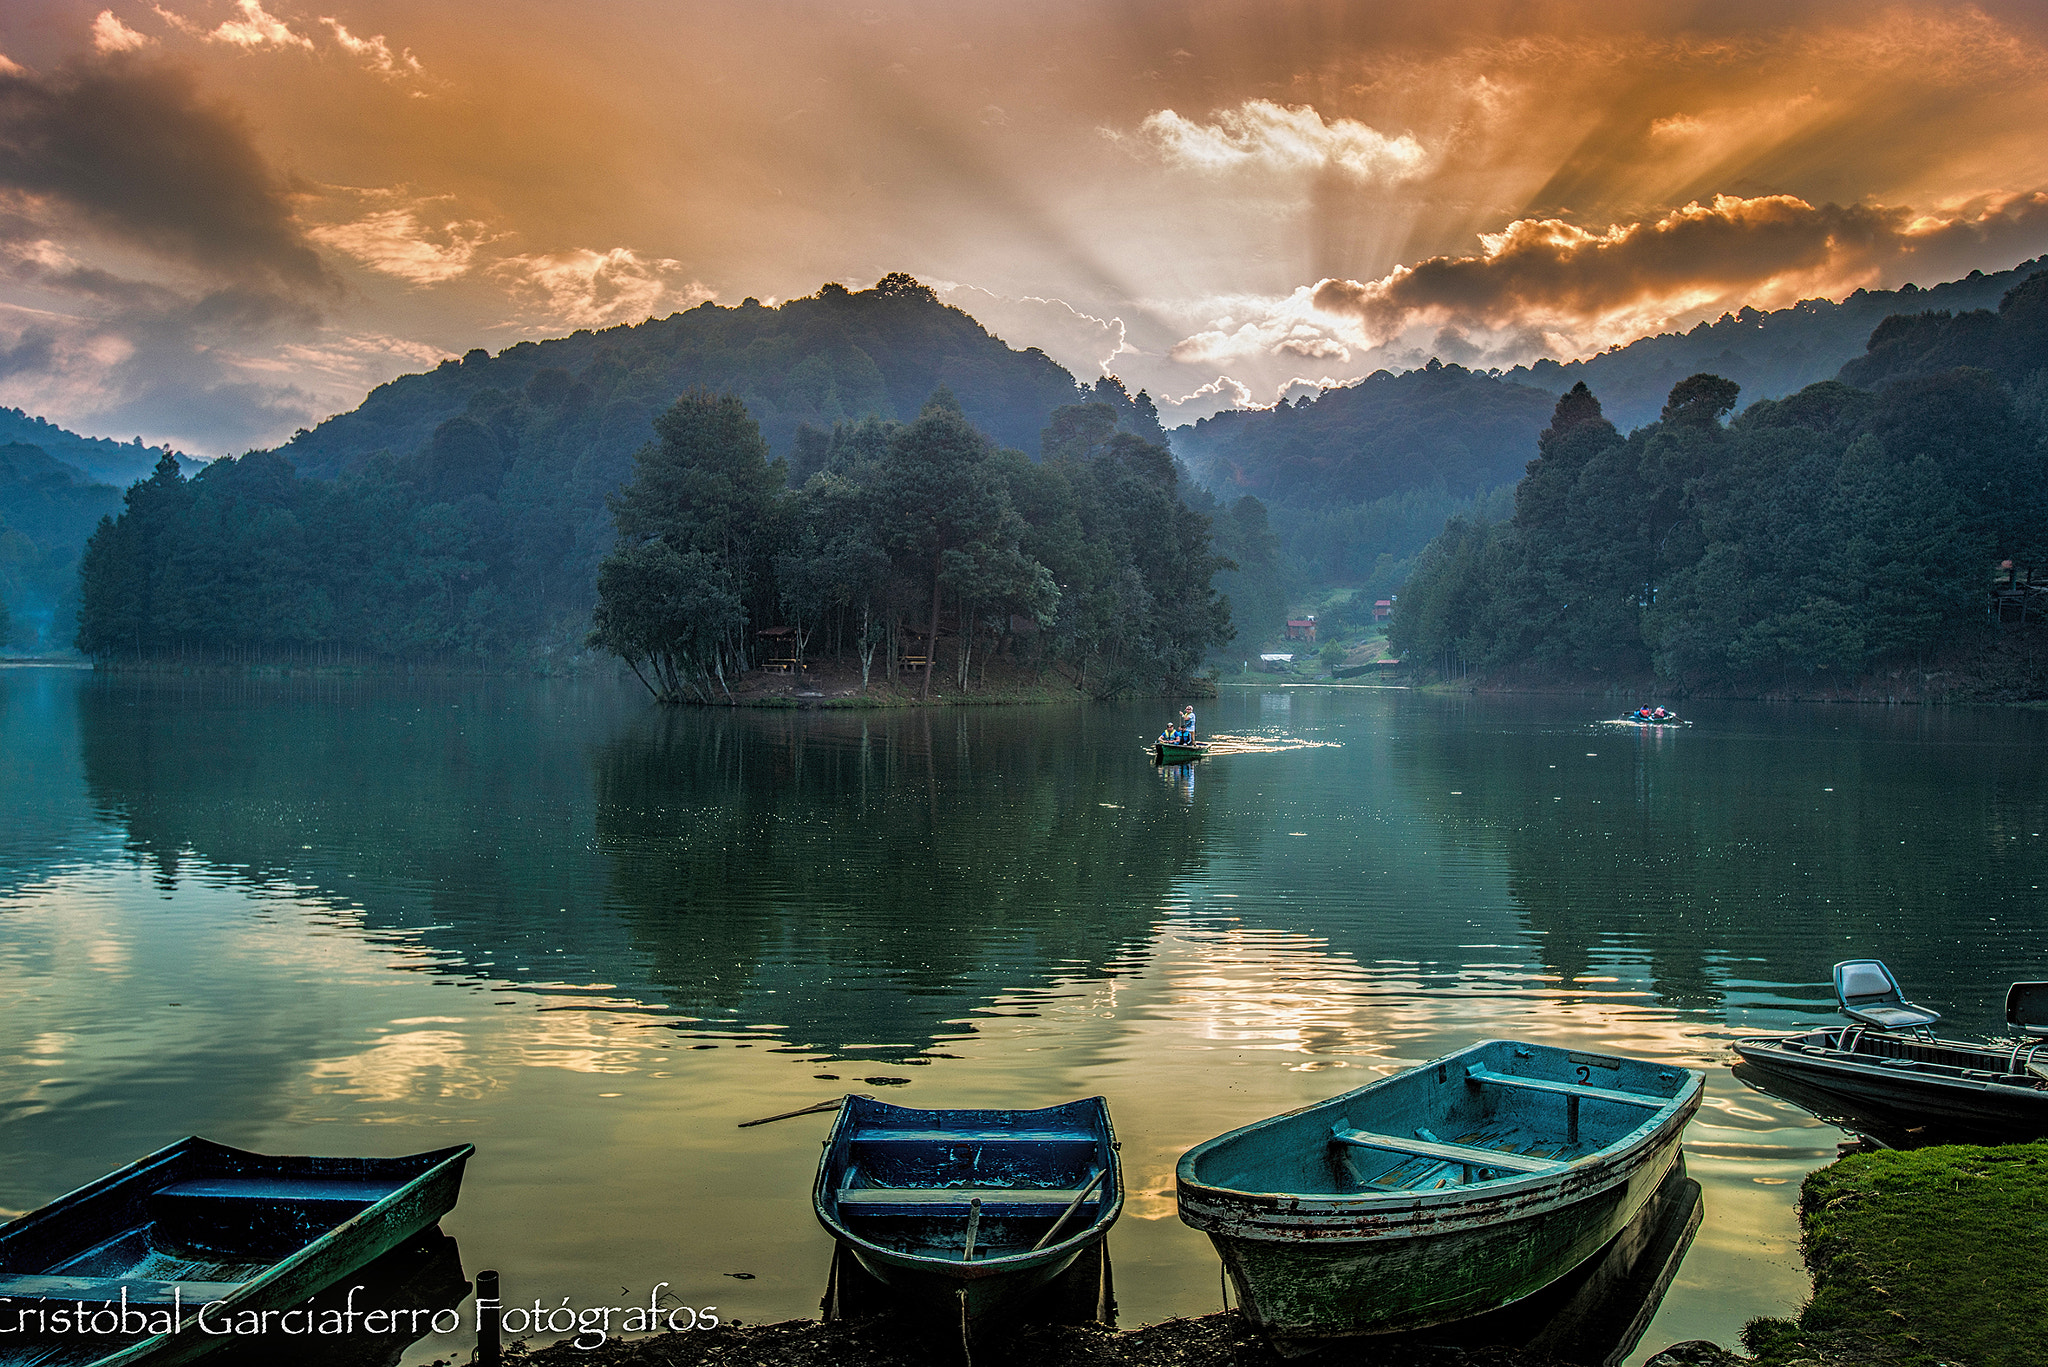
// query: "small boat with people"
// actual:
[[1887, 1065], [970, 1213], [1445, 1191], [1652, 716], [199, 1227], [1176, 744]]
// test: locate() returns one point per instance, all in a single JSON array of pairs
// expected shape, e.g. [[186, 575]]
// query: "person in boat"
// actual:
[[1660, 714], [1641, 714]]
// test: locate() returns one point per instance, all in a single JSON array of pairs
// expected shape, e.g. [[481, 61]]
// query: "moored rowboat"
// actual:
[[1442, 1192], [969, 1212], [200, 1226]]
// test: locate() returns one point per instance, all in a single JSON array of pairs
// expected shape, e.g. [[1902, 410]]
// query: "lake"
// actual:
[[590, 935]]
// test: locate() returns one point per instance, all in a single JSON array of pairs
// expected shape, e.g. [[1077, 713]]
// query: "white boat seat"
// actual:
[[1470, 1154], [956, 1200], [93, 1290], [1870, 994], [1479, 1073]]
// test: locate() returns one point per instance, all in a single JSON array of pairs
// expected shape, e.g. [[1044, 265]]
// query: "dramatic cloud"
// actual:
[[136, 155], [1588, 287], [151, 257], [396, 242], [109, 34], [1269, 136], [1484, 181], [587, 289]]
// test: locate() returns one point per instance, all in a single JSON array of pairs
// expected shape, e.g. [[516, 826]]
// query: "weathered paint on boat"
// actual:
[[199, 1225], [1321, 1243], [1981, 1090], [895, 1183], [1165, 753]]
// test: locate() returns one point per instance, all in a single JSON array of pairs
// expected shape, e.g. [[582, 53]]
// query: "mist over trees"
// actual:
[[1818, 535], [906, 536]]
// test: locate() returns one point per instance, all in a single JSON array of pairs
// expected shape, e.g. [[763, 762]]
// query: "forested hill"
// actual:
[[1769, 354], [96, 460], [583, 404], [1442, 426], [1815, 540]]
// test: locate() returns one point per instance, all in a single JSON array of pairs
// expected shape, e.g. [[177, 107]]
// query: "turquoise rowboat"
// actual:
[[1438, 1193], [969, 1214], [200, 1228]]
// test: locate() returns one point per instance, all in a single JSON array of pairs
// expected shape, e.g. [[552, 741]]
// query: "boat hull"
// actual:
[[1320, 1255], [926, 1166], [1965, 1090], [301, 1252], [1480, 1260], [1177, 754]]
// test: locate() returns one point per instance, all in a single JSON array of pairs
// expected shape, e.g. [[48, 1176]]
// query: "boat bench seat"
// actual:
[[1470, 1154], [258, 1218], [1022, 1201], [50, 1287], [1480, 1074], [334, 1199]]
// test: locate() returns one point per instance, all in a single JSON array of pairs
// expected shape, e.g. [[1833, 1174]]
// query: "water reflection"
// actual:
[[593, 934], [860, 880], [1744, 856]]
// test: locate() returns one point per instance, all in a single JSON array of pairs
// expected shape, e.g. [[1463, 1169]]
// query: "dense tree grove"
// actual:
[[482, 540], [1819, 534], [907, 535]]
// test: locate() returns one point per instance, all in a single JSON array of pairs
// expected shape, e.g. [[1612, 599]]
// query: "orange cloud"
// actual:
[[1577, 283]]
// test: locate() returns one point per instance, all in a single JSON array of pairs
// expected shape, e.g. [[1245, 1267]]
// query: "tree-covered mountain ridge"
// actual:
[[1445, 426], [838, 355], [1876, 534]]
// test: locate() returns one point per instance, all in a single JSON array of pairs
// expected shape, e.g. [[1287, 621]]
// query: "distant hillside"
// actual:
[[99, 459], [1769, 354], [47, 510], [2011, 343], [1444, 427], [834, 356]]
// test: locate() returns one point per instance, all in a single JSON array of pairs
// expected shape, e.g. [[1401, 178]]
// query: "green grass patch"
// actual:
[[1934, 1256]]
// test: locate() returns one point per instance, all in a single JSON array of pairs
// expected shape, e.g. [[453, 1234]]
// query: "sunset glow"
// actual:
[[221, 221]]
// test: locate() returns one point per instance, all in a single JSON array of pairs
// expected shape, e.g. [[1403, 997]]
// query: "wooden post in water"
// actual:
[[488, 1315]]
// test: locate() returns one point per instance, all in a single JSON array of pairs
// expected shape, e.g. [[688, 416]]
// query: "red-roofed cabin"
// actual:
[[1301, 629], [1382, 609]]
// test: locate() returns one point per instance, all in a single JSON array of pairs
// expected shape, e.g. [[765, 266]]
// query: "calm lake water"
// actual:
[[590, 935]]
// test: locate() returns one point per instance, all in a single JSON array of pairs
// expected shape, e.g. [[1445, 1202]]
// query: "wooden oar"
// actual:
[[1072, 1206], [973, 1223], [834, 1104]]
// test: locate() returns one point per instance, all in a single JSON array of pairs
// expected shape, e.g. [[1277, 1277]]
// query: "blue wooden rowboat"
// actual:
[[969, 1213], [201, 1227], [1442, 1192]]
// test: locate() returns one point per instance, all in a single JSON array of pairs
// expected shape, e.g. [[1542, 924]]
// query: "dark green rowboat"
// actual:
[[969, 1213], [1442, 1192], [1164, 752], [201, 1227]]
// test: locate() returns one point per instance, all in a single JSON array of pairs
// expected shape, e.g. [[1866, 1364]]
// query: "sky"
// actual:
[[223, 220]]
